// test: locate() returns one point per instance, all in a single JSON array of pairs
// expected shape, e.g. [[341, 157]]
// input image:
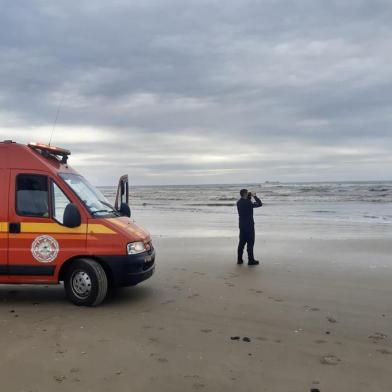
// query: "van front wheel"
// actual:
[[86, 283]]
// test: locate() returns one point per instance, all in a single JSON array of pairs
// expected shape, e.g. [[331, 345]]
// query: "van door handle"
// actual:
[[14, 227]]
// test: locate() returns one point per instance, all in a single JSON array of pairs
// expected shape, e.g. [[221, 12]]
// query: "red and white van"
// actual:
[[56, 227]]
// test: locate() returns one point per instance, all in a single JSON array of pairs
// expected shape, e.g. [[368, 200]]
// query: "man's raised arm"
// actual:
[[257, 203]]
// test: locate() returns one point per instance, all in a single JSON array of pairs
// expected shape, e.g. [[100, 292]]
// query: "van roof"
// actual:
[[34, 156]]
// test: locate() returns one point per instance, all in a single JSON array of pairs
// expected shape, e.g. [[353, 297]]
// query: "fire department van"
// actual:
[[55, 227]]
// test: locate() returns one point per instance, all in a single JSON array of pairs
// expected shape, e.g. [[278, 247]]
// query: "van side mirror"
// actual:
[[125, 210], [72, 216]]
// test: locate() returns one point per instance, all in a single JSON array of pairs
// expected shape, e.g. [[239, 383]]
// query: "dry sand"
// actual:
[[318, 314]]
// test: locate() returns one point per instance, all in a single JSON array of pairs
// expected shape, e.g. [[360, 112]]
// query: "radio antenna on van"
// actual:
[[55, 121]]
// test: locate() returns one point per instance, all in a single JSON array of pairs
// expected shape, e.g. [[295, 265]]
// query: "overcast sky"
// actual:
[[181, 92]]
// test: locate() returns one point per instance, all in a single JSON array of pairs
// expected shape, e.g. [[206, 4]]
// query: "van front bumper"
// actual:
[[129, 270]]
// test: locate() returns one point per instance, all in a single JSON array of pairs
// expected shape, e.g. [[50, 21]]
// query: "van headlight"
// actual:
[[136, 247]]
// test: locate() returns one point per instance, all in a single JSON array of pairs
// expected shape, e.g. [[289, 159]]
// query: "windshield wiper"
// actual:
[[107, 211], [111, 211]]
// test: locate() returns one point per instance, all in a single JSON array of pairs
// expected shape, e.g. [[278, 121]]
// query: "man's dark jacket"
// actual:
[[245, 211]]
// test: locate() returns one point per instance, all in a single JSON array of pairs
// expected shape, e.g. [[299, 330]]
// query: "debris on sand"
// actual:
[[59, 378], [332, 320], [378, 337], [244, 339], [330, 360]]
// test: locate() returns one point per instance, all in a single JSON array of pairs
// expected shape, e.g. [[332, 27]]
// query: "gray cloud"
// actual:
[[203, 91]]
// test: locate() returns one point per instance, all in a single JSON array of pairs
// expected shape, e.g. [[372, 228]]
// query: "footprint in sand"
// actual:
[[206, 330], [330, 360], [331, 320], [198, 385], [153, 340], [162, 360], [199, 273], [59, 378], [169, 301], [320, 341], [311, 309], [276, 299], [385, 351], [194, 295], [378, 337], [103, 340]]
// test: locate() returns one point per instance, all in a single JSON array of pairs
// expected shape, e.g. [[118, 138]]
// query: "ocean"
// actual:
[[347, 209]]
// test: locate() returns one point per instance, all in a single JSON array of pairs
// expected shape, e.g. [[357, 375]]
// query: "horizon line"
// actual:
[[256, 183]]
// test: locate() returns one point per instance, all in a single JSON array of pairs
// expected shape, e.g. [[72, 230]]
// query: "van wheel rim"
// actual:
[[81, 284]]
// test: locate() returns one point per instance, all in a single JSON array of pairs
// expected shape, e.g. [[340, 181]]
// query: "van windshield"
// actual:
[[91, 197]]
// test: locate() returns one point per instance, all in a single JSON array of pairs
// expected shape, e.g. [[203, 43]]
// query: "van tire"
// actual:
[[86, 283]]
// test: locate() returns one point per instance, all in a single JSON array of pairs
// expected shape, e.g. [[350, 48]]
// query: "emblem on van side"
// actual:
[[45, 249]]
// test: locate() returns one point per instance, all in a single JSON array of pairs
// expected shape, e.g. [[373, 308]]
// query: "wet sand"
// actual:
[[317, 314]]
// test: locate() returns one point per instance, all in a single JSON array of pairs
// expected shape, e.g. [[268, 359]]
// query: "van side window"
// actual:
[[32, 196], [59, 202]]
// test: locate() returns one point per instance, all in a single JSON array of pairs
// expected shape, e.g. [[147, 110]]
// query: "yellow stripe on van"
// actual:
[[50, 228], [3, 227], [53, 228]]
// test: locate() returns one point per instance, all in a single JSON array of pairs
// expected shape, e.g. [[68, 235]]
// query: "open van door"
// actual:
[[122, 196]]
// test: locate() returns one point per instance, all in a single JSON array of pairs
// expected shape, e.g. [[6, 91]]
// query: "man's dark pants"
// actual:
[[247, 236]]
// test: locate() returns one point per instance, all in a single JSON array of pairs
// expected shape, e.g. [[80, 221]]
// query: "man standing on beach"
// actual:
[[245, 207]]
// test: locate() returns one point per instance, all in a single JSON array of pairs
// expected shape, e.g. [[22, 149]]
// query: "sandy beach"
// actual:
[[316, 314]]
